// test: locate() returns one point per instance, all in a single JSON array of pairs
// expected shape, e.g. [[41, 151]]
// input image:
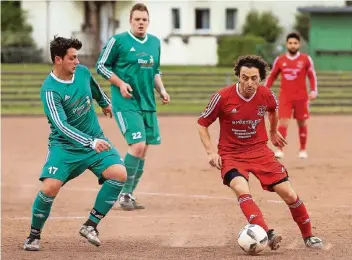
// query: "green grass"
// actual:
[[189, 94]]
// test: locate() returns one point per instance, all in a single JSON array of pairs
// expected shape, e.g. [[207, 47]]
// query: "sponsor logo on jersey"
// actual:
[[252, 123], [84, 107], [146, 63]]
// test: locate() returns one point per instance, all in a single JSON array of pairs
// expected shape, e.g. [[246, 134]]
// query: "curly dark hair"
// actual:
[[60, 45], [251, 61]]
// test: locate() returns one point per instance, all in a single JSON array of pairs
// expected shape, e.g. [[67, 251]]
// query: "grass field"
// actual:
[[190, 88]]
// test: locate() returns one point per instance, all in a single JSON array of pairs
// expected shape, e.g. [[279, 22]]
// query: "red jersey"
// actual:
[[294, 71], [242, 121]]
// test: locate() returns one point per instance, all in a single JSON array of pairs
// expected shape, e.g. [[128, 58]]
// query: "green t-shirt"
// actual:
[[69, 108], [136, 61]]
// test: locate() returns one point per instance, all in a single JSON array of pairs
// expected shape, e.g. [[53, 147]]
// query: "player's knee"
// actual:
[[284, 122], [51, 187], [137, 149], [301, 123], [116, 172], [289, 196]]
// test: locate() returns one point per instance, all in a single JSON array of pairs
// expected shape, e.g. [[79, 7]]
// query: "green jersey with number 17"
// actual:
[[136, 61]]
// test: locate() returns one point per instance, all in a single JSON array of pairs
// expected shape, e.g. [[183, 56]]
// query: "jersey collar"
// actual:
[[63, 81], [138, 40], [288, 56], [239, 94]]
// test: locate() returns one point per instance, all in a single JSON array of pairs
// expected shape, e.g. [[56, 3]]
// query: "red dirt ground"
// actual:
[[190, 214]]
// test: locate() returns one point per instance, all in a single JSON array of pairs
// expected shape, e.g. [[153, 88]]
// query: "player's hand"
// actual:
[[165, 98], [313, 95], [107, 111], [277, 139], [215, 160], [125, 90], [100, 145]]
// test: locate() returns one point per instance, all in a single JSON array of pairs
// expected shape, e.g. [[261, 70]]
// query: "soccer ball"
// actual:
[[252, 239]]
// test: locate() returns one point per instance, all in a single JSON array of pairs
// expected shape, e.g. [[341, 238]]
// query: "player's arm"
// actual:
[[273, 116], [98, 93], [158, 82], [107, 58], [208, 116], [274, 73], [312, 79], [53, 109]]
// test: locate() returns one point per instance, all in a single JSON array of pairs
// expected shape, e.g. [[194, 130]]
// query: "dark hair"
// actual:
[[293, 35], [139, 7], [251, 61], [60, 45]]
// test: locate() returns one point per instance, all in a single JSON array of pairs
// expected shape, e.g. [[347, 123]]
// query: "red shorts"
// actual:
[[299, 109], [261, 162]]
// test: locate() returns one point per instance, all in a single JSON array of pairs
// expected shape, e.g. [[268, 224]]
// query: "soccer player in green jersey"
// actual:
[[131, 62], [76, 141]]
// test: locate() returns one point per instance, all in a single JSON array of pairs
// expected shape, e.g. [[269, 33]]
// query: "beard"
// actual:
[[293, 52]]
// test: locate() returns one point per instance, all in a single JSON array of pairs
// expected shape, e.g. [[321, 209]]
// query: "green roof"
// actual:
[[325, 10]]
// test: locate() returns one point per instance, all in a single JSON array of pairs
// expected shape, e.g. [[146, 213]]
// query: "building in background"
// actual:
[[330, 37], [188, 30]]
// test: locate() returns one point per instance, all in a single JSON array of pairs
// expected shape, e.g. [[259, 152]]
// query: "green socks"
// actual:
[[40, 212], [138, 175], [106, 198], [131, 163]]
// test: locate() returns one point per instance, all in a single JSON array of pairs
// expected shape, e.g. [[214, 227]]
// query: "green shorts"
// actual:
[[65, 165], [138, 126]]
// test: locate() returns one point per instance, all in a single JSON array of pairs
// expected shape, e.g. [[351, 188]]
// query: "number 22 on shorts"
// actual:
[[52, 170], [137, 135]]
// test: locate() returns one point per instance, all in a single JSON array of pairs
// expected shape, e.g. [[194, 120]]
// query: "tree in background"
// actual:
[[14, 29], [302, 25], [265, 25], [16, 39]]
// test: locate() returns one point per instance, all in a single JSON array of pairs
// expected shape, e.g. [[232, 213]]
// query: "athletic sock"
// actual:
[[131, 163], [251, 211], [301, 217], [106, 198]]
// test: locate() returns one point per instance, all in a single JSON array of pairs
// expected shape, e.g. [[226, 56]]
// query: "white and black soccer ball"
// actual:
[[252, 239]]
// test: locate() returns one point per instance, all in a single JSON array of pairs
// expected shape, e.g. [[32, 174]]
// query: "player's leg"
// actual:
[[108, 167], [152, 131], [273, 177], [299, 213], [132, 127], [285, 112], [301, 114], [56, 171], [238, 182]]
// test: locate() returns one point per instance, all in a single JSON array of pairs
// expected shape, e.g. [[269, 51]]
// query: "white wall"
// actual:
[[66, 17], [53, 17]]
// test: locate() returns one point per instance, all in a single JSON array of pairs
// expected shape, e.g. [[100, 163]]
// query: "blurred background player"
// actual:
[[242, 147], [294, 98], [131, 62], [76, 141]]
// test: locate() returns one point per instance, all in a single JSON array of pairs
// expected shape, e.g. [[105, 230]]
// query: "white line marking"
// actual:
[[115, 217], [176, 195]]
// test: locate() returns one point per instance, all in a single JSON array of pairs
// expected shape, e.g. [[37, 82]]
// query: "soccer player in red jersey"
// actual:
[[242, 148], [294, 98]]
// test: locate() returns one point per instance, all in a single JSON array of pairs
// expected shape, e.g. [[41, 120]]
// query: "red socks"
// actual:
[[303, 136], [300, 216], [251, 211]]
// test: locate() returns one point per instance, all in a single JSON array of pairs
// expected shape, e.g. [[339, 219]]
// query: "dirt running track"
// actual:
[[190, 214]]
